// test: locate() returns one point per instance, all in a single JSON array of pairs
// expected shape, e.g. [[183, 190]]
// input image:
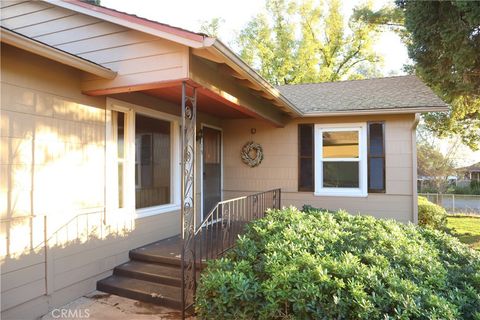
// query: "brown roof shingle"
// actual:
[[401, 92]]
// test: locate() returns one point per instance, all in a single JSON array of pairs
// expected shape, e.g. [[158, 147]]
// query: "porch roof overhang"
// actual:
[[267, 102]]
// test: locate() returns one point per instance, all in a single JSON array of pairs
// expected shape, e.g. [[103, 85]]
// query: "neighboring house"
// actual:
[[91, 138], [470, 173]]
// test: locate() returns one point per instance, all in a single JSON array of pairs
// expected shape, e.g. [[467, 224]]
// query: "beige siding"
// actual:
[[280, 166], [52, 165], [137, 57]]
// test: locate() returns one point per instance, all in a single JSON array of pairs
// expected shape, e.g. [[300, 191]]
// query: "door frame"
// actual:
[[204, 125]]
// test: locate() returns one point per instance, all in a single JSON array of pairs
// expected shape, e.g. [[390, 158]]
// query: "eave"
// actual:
[[376, 111], [17, 40]]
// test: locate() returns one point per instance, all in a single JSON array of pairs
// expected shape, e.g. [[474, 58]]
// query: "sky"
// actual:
[[189, 14]]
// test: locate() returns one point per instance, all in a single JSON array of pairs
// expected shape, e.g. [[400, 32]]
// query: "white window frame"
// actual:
[[361, 191], [130, 111]]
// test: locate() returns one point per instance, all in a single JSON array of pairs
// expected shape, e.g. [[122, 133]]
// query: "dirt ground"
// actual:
[[102, 306]]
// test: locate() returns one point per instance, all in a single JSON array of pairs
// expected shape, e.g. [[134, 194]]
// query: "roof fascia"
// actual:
[[38, 48], [376, 111], [229, 55], [157, 29]]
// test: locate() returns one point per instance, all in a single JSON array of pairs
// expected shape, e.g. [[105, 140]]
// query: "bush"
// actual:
[[431, 215], [475, 187], [320, 265]]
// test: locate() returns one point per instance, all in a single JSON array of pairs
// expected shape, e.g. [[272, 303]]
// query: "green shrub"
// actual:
[[475, 187], [321, 265], [431, 215]]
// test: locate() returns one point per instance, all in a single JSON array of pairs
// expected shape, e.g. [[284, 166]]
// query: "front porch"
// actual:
[[166, 272], [157, 122]]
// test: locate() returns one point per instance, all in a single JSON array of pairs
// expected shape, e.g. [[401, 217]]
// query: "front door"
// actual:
[[211, 169]]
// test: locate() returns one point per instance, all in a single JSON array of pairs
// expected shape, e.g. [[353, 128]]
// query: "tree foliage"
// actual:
[[308, 41], [443, 39], [431, 162], [94, 2], [211, 27]]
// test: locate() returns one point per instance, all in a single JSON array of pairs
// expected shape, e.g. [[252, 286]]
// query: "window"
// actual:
[[376, 157], [305, 157], [144, 146], [340, 160], [119, 133], [152, 162]]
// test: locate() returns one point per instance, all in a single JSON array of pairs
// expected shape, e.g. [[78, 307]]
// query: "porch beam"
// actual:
[[134, 88], [210, 76]]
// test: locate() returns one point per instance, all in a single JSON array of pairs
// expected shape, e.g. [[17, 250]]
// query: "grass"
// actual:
[[466, 229]]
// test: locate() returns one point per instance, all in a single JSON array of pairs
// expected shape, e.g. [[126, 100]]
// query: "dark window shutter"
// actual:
[[306, 157], [376, 157]]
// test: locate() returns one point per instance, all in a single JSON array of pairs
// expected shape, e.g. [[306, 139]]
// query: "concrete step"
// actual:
[[153, 272], [157, 293], [145, 255], [166, 251]]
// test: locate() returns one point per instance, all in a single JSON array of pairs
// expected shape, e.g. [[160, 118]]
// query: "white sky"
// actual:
[[188, 14]]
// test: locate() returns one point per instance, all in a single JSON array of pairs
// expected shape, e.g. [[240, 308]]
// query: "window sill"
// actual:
[[352, 194], [152, 211]]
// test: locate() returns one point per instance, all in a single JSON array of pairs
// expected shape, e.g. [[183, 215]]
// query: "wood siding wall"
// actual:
[[52, 165], [279, 169], [138, 58]]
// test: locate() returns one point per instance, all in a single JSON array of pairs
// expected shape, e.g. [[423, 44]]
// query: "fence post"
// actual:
[[453, 203]]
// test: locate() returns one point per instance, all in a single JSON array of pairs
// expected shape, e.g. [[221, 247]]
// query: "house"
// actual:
[[118, 132], [470, 173]]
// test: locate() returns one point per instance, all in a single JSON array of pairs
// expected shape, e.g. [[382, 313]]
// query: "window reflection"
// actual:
[[340, 144]]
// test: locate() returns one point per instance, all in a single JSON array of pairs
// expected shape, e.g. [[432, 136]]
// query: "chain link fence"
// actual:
[[455, 203]]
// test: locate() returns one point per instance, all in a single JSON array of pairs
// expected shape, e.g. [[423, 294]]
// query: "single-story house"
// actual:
[[470, 173], [118, 132]]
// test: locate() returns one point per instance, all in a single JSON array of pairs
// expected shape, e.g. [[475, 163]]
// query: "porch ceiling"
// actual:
[[207, 101]]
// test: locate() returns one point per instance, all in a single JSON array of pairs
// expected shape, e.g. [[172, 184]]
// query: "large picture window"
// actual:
[[152, 161], [340, 160], [144, 146]]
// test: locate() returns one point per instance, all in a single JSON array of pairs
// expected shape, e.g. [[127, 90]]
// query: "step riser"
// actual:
[[155, 259], [139, 296], [148, 277]]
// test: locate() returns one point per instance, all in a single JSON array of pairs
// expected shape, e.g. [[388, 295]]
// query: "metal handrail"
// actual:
[[211, 213], [220, 229]]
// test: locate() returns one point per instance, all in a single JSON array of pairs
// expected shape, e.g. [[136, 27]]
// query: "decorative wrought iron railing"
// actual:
[[220, 229]]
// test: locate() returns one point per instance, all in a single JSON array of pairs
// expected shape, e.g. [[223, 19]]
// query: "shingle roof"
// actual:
[[401, 92]]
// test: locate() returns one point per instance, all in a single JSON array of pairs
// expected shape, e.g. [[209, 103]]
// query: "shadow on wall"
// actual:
[[52, 175]]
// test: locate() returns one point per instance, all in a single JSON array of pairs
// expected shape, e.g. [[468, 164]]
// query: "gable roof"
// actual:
[[401, 94], [202, 45], [383, 95]]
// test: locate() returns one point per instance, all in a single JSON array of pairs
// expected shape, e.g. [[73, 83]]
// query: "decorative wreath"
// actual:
[[252, 154]]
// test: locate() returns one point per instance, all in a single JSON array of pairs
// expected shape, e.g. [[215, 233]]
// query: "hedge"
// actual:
[[431, 215], [323, 265]]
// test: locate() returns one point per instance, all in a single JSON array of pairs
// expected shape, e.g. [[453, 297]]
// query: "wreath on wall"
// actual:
[[252, 154]]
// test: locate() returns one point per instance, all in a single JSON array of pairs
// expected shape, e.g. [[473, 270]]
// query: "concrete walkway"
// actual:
[[102, 306]]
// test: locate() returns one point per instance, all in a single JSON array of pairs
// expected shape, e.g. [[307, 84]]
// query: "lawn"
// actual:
[[466, 229]]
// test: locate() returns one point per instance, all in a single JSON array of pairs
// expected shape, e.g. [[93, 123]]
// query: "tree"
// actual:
[[431, 162], [211, 27], [94, 2], [298, 42], [443, 39]]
